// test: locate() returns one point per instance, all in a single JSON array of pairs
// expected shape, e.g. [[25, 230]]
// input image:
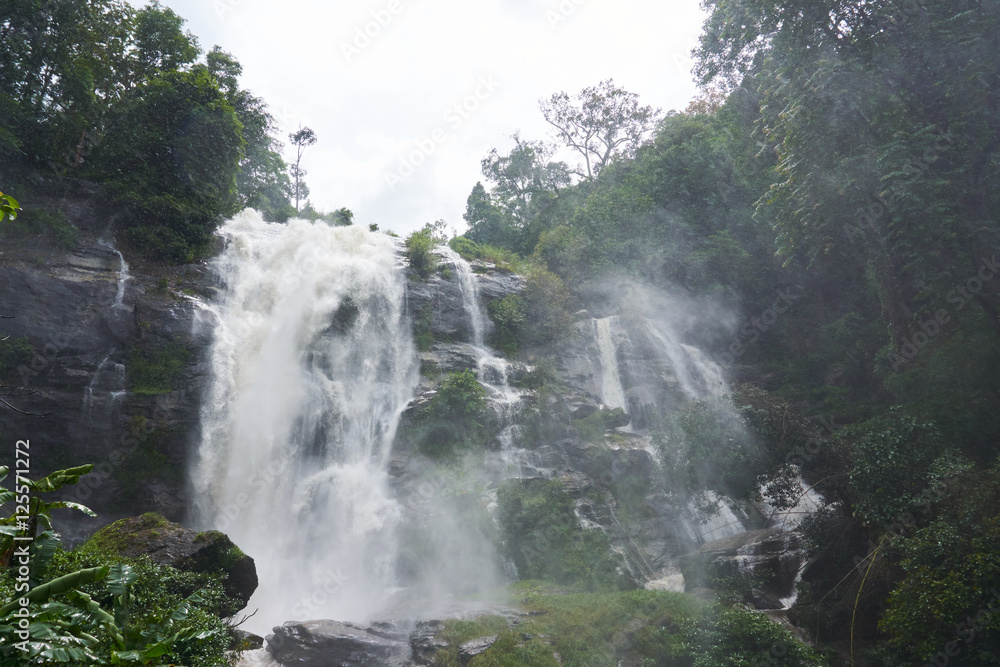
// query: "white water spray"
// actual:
[[612, 394], [312, 365]]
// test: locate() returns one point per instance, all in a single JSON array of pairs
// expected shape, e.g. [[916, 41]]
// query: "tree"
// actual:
[[172, 154], [607, 123], [160, 43], [262, 181], [301, 139], [525, 184]]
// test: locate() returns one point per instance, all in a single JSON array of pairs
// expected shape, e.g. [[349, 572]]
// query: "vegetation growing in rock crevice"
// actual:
[[454, 421], [13, 353], [543, 539], [156, 371], [419, 245]]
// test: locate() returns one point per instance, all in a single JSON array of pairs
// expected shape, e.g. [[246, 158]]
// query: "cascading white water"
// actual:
[[492, 370], [470, 295], [312, 365], [698, 376], [612, 394], [123, 277]]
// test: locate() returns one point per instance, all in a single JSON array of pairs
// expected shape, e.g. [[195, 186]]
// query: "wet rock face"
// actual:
[[436, 304], [335, 644], [424, 642], [773, 558], [86, 324]]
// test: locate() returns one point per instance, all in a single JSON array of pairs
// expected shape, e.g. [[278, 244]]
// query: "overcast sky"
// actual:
[[379, 81]]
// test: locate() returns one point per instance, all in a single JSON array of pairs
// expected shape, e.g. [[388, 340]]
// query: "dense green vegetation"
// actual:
[[118, 95], [541, 536], [92, 605], [636, 628], [837, 186], [454, 420]]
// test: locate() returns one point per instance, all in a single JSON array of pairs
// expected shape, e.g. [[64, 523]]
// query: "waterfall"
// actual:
[[697, 374], [470, 296], [107, 381], [123, 273], [311, 367], [123, 277], [612, 394]]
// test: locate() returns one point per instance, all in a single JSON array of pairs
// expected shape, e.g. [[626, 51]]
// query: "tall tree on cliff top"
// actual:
[[604, 124], [301, 139]]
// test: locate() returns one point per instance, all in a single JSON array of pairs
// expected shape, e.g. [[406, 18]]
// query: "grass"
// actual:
[[631, 628], [503, 259]]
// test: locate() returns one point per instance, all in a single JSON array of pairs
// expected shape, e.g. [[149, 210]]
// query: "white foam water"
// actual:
[[312, 365]]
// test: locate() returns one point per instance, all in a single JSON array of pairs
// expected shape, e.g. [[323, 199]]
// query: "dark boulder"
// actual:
[[335, 644], [168, 543]]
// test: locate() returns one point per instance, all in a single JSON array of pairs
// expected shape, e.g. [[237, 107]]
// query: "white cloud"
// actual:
[[372, 108]]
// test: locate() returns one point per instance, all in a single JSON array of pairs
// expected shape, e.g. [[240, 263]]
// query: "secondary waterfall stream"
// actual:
[[312, 365]]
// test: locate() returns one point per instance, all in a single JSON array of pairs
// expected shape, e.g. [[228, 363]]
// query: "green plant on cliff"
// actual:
[[93, 607], [542, 538], [13, 353], [8, 207], [156, 371], [418, 250], [455, 419]]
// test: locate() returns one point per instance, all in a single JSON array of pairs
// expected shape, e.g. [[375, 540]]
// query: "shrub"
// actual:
[[171, 155], [546, 308], [156, 371], [543, 539], [13, 353], [41, 222], [508, 316], [418, 250], [454, 420]]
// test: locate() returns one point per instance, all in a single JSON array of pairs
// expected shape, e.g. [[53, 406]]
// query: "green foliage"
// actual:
[[35, 222], [543, 539], [92, 607], [460, 396], [705, 445], [113, 93], [454, 420], [8, 207], [644, 628], [145, 462], [546, 306], [13, 353], [171, 156], [418, 251], [156, 371], [503, 259], [423, 337], [508, 317], [893, 459]]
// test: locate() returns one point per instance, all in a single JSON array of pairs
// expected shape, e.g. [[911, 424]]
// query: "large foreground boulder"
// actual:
[[335, 644], [169, 543]]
